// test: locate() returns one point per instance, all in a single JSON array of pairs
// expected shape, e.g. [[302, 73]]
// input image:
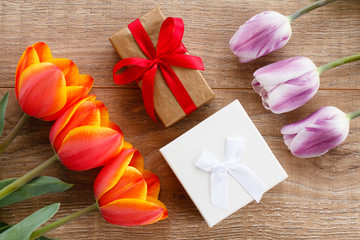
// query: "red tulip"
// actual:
[[127, 194], [83, 136], [45, 86]]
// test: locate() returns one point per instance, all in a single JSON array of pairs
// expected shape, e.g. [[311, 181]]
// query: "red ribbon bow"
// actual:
[[170, 52]]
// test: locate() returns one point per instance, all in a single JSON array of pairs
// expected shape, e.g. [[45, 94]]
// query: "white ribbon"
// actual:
[[242, 174]]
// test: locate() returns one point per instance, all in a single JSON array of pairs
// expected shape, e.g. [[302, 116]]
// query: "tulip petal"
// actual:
[[130, 185], [74, 93], [89, 147], [68, 67], [71, 72], [115, 127], [65, 118], [281, 71], [260, 35], [28, 58], [137, 161], [104, 114], [86, 114], [132, 212], [127, 145], [288, 138], [263, 94], [256, 86], [153, 183], [72, 76], [294, 93], [110, 175], [266, 106], [42, 90], [84, 80], [43, 51], [320, 136], [156, 201], [323, 113]]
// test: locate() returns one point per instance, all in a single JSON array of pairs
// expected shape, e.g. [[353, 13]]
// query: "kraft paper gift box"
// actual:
[[211, 137], [165, 104]]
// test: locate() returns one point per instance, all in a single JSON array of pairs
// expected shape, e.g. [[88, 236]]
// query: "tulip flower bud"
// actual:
[[287, 84], [260, 35], [45, 86], [316, 134], [127, 194], [84, 138]]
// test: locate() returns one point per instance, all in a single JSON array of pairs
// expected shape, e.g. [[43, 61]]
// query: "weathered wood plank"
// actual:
[[79, 30], [319, 200]]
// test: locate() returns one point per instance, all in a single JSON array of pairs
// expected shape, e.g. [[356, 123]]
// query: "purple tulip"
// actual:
[[260, 35], [287, 84], [313, 136]]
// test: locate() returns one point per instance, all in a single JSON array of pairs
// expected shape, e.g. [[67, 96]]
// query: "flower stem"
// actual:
[[13, 133], [353, 115], [62, 221], [309, 8], [27, 177], [338, 62]]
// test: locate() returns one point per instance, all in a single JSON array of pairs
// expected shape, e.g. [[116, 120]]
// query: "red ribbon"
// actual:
[[170, 52]]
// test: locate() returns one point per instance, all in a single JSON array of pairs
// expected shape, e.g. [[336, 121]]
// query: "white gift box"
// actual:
[[211, 136]]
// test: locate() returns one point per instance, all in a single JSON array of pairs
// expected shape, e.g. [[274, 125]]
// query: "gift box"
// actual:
[[223, 163], [166, 105]]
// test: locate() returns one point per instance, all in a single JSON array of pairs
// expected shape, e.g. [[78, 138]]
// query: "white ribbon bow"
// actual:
[[242, 174]]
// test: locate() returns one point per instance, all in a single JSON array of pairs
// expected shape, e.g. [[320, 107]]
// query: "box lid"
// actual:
[[210, 135]]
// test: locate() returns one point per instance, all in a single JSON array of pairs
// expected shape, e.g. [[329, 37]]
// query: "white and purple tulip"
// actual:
[[287, 84], [260, 35], [316, 134]]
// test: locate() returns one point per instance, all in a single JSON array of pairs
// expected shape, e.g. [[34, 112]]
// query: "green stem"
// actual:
[[62, 221], [27, 177], [309, 8], [338, 62], [13, 132], [353, 115]]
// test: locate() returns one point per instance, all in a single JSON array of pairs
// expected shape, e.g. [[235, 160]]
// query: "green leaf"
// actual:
[[3, 104], [36, 187], [45, 238], [24, 229], [5, 226], [2, 224]]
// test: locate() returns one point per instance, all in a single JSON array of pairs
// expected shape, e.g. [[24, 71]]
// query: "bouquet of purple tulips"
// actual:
[[290, 83]]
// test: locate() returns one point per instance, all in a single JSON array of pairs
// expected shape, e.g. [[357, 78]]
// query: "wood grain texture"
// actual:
[[319, 200]]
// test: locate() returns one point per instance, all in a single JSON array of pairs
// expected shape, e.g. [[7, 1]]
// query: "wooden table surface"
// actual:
[[319, 200]]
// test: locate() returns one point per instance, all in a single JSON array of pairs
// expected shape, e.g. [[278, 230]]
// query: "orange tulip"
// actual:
[[127, 194], [83, 136], [45, 86]]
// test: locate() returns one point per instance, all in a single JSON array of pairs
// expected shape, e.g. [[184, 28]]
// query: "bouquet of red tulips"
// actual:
[[83, 138]]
